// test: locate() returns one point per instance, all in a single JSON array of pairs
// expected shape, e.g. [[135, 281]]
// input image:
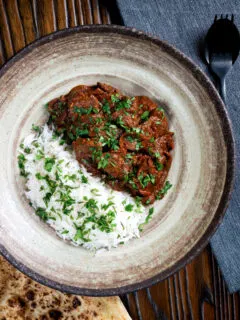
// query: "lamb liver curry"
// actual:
[[125, 140]]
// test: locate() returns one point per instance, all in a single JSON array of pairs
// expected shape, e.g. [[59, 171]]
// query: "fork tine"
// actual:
[[232, 19], [221, 16], [226, 16], [215, 18]]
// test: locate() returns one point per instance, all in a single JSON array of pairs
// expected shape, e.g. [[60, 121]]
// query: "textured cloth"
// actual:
[[184, 24]]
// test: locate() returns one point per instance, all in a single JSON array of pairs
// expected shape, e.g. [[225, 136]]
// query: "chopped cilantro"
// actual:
[[39, 176], [84, 179], [39, 155], [106, 107], [42, 214], [36, 128], [128, 156], [47, 198], [164, 190], [161, 109], [115, 98], [95, 192], [158, 165], [81, 234], [91, 205], [120, 122], [71, 136], [27, 150], [129, 207], [109, 141], [133, 184], [137, 130], [98, 120], [148, 218], [138, 145], [138, 201], [82, 111], [145, 115], [131, 139], [21, 165], [103, 162], [48, 164], [144, 180], [105, 222], [80, 133], [106, 206], [123, 104]]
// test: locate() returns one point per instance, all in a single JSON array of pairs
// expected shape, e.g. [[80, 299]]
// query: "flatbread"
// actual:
[[21, 298]]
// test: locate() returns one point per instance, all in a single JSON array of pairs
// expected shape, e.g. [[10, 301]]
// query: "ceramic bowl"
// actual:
[[201, 173]]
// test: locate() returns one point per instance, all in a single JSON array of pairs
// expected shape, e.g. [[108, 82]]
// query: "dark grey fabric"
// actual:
[[184, 24]]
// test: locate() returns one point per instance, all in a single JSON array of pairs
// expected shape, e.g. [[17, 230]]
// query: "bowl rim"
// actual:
[[229, 141]]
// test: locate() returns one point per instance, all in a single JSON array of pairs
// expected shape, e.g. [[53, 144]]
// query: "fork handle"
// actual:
[[222, 89]]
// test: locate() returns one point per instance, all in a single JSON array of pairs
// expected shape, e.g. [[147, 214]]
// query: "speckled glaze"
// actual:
[[202, 169]]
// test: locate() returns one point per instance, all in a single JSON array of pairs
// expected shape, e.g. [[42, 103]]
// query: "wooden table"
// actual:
[[196, 291]]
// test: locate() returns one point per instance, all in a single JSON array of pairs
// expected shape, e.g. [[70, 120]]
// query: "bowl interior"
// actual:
[[198, 174]]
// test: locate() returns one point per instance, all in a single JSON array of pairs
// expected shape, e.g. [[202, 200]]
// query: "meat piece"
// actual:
[[136, 111], [159, 148], [89, 90], [116, 165], [58, 110], [84, 148], [107, 88], [102, 96], [124, 114], [148, 180], [159, 113], [117, 185], [125, 119], [165, 143], [154, 127], [78, 90], [130, 142], [143, 182], [142, 104], [82, 104]]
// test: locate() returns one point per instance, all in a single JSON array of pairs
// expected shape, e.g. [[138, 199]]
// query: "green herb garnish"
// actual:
[[145, 115], [80, 133], [164, 190], [42, 214], [158, 165], [21, 165], [36, 128], [129, 207], [84, 179], [48, 164], [115, 98], [106, 107], [103, 162]]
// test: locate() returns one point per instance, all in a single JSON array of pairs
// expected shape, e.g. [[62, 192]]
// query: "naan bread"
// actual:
[[24, 299]]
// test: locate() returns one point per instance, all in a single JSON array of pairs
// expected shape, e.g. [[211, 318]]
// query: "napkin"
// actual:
[[184, 24]]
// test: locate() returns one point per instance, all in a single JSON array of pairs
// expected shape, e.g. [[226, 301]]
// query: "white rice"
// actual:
[[72, 181]]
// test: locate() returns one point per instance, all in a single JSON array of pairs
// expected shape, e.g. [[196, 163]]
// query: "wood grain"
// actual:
[[197, 291]]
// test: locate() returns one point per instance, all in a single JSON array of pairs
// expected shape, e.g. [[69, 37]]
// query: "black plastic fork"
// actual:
[[222, 45]]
